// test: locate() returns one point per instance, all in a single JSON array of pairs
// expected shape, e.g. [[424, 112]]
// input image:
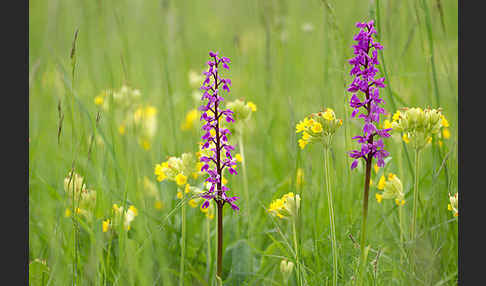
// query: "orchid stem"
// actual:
[[220, 242], [362, 263]]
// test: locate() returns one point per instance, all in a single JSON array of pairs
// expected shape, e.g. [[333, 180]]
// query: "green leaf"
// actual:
[[38, 272]]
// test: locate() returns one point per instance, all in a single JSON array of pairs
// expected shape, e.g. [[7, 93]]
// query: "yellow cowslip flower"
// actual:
[[440, 143], [67, 212], [192, 203], [418, 125], [224, 181], [405, 138], [238, 158], [306, 136], [429, 140], [316, 128], [381, 183], [275, 206], [371, 182], [328, 114], [191, 117], [392, 189], [179, 195], [117, 209], [160, 172], [376, 168], [444, 121], [301, 126], [387, 124], [379, 198], [158, 204], [187, 188], [446, 133], [106, 225], [400, 202], [121, 129], [302, 143], [252, 106], [396, 116], [287, 205], [134, 210], [99, 100]]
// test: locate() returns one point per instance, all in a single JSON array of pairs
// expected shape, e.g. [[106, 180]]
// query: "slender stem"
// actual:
[[183, 241], [296, 249], [245, 178], [400, 218], [415, 195], [331, 218], [415, 203], [365, 215], [220, 240], [208, 253]]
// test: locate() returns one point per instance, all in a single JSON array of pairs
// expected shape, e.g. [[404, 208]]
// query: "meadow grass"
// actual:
[[290, 59]]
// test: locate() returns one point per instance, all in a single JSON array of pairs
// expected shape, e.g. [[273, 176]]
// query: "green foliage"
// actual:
[[290, 59]]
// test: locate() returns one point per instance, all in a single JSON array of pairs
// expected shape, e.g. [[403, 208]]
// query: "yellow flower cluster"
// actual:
[[120, 216], [84, 198], [318, 127], [178, 169], [454, 204], [286, 206], [130, 113], [392, 189], [420, 125]]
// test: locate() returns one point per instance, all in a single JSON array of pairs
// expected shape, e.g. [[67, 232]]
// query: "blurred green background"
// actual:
[[290, 59]]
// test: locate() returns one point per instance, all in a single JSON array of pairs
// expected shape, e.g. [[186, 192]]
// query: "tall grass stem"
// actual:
[[183, 241], [331, 218]]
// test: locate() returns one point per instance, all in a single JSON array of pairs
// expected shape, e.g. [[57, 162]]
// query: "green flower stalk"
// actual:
[[286, 268], [393, 190], [418, 126], [180, 170], [320, 128], [242, 113], [287, 207]]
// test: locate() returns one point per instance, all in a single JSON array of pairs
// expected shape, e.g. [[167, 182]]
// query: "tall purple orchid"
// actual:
[[215, 138], [368, 108], [364, 72]]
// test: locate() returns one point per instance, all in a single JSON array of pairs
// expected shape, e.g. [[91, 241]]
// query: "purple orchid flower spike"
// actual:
[[368, 106], [216, 139], [364, 71]]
